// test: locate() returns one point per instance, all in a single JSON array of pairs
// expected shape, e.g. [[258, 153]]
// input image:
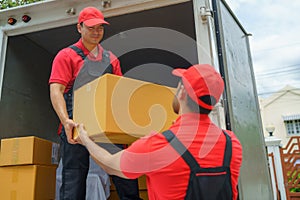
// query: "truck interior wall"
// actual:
[[25, 108], [179, 18]]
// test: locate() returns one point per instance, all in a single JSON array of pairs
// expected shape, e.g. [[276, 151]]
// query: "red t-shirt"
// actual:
[[67, 64], [167, 173]]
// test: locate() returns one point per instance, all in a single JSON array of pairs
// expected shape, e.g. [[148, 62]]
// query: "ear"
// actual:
[[79, 27], [182, 93]]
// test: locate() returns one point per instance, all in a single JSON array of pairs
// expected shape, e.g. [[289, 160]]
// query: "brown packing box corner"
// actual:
[[30, 182], [28, 150], [120, 110], [142, 182]]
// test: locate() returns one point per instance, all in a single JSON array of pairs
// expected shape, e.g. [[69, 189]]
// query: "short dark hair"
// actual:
[[194, 107]]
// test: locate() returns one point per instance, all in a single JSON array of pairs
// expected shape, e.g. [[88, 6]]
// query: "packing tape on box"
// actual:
[[15, 150], [14, 180], [13, 195], [15, 176]]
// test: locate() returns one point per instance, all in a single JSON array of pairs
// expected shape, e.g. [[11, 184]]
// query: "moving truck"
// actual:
[[150, 37]]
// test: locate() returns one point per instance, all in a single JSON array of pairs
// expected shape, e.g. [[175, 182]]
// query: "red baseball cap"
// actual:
[[201, 80], [91, 16]]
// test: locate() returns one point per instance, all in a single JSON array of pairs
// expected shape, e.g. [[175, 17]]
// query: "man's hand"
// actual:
[[82, 134], [69, 125], [110, 163]]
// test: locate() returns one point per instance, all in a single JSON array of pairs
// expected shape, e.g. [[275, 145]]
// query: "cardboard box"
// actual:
[[142, 182], [28, 150], [120, 110], [30, 182]]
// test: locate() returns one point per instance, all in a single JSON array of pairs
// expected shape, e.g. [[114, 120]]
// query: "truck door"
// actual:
[[242, 114]]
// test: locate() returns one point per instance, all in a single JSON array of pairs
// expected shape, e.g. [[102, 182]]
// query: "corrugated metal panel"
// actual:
[[290, 117]]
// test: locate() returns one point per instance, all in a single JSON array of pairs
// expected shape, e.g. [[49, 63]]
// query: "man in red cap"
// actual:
[[68, 64], [167, 172]]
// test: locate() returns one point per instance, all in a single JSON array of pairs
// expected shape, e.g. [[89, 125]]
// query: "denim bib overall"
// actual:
[[75, 158]]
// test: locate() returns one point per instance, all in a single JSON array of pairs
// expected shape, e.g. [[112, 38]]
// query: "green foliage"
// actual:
[[4, 4], [294, 189]]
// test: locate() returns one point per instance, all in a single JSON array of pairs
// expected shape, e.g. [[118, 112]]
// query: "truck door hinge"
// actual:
[[204, 13], [71, 11]]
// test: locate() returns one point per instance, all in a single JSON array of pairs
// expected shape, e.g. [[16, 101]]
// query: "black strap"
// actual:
[[78, 51], [189, 158], [228, 150]]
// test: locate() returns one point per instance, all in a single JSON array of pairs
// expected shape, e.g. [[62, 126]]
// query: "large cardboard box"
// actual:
[[28, 150], [30, 182], [120, 110]]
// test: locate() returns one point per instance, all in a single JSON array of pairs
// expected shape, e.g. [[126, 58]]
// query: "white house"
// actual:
[[282, 112]]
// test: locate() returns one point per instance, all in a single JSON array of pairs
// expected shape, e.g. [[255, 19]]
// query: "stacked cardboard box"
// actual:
[[28, 168]]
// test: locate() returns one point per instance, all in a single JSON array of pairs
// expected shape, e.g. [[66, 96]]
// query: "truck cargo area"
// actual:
[[25, 104]]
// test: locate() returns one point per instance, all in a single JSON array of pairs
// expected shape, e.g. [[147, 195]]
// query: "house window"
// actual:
[[292, 127], [292, 124]]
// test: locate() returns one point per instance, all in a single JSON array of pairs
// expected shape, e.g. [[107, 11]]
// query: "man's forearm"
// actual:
[[59, 105], [58, 101], [110, 163]]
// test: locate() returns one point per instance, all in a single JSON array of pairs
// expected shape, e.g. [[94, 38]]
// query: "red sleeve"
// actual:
[[146, 155], [133, 156], [65, 67], [236, 162], [61, 69]]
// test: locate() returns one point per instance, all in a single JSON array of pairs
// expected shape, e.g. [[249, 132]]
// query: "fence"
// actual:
[[284, 164]]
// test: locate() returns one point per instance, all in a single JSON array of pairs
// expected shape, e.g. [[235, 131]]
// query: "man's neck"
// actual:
[[94, 51], [93, 48]]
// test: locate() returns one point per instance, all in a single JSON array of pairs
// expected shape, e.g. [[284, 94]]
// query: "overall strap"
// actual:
[[107, 62], [189, 158], [78, 51], [105, 54], [91, 69], [181, 149], [69, 102], [228, 150]]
